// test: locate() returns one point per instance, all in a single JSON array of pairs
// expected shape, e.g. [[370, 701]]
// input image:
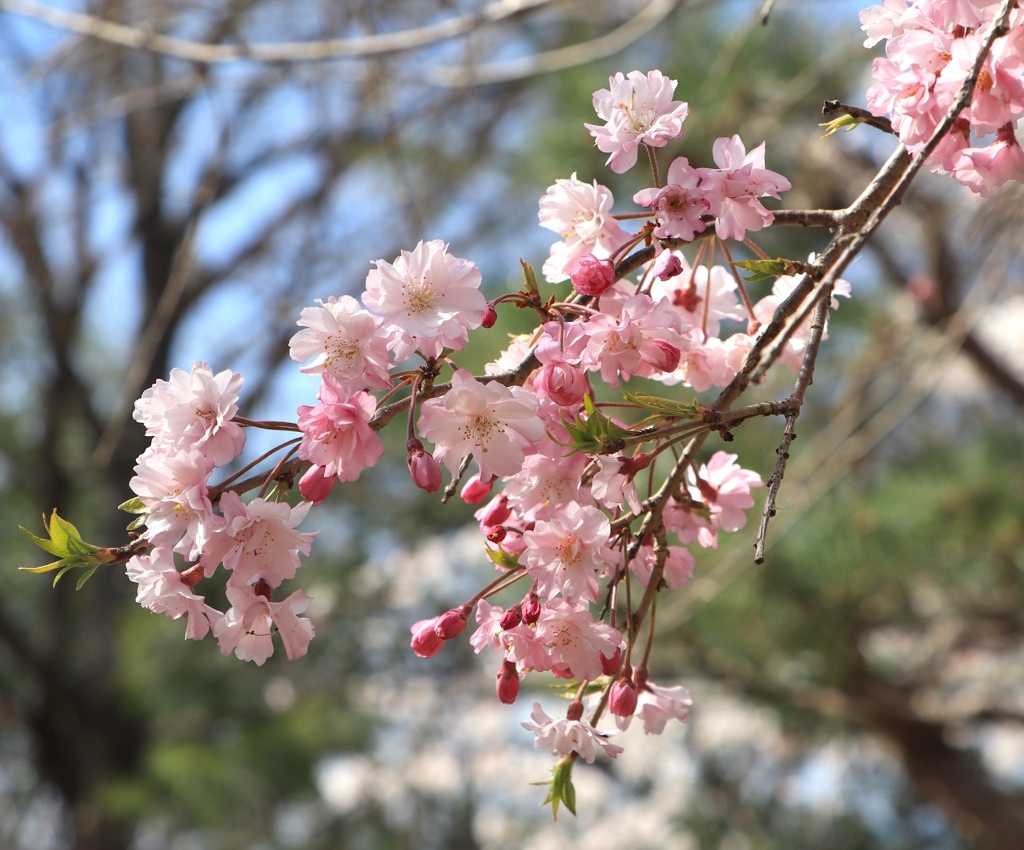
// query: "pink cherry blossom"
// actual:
[[565, 736], [163, 591], [725, 486], [491, 421], [429, 300], [581, 213], [657, 705], [679, 205], [258, 540], [985, 170], [345, 341], [688, 290], [247, 626], [335, 433], [576, 640], [734, 187], [194, 410], [549, 480], [637, 109], [567, 553]]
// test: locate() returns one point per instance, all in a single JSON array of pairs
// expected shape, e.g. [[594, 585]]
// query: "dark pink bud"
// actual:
[[496, 512], [425, 643], [610, 666], [507, 685], [490, 317], [476, 490], [262, 588], [622, 698], [315, 486], [663, 355], [512, 617], [451, 624], [497, 534], [562, 382], [531, 609], [425, 472], [591, 276], [575, 711]]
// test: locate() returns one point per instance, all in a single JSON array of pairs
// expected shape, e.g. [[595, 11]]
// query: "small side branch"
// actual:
[[834, 107]]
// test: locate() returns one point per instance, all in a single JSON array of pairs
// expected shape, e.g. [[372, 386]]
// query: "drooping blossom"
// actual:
[[566, 736], [491, 421], [566, 553], [637, 109], [679, 204], [725, 487], [344, 341], [575, 639], [335, 433], [194, 410], [428, 299], [734, 187], [690, 290], [247, 626], [581, 213], [657, 705], [258, 540], [163, 591]]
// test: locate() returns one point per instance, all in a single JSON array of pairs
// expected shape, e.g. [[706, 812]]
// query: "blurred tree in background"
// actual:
[[862, 689]]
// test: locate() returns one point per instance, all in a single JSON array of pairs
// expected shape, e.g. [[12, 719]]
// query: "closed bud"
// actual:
[[496, 512], [667, 265], [562, 382], [512, 617], [490, 317], [610, 666], [531, 609], [314, 486], [425, 643], [507, 684], [591, 276], [476, 490], [496, 534], [575, 711], [451, 624], [663, 355], [623, 698], [425, 472]]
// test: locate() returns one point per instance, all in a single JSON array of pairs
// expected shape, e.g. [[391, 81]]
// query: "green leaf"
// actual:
[[561, 789], [843, 122], [530, 276], [671, 407], [765, 269], [503, 558], [56, 565], [133, 506], [71, 550], [136, 523]]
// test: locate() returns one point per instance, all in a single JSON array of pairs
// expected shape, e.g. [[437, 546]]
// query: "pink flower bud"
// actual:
[[496, 512], [425, 472], [591, 276], [663, 356], [315, 486], [496, 534], [667, 265], [507, 685], [610, 666], [262, 588], [575, 711], [531, 609], [425, 643], [512, 617], [562, 382], [490, 317], [476, 490], [623, 698], [451, 624]]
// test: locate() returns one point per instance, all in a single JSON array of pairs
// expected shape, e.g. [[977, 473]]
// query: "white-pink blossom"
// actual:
[[657, 705], [678, 205], [258, 540], [725, 487], [247, 626], [575, 639], [194, 410], [428, 299], [163, 591], [344, 341], [637, 109], [581, 213], [566, 553], [565, 736], [491, 421]]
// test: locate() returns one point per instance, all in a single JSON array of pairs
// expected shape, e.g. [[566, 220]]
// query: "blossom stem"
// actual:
[[654, 165], [276, 470], [227, 482], [265, 424], [739, 282]]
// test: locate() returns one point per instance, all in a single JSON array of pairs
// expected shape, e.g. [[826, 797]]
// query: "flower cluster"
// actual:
[[931, 48]]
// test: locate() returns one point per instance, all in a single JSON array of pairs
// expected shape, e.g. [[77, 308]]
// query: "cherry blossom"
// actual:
[[637, 109], [345, 341], [194, 410], [428, 299], [680, 204], [335, 433], [163, 591], [491, 421], [247, 626], [566, 736], [575, 639]]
